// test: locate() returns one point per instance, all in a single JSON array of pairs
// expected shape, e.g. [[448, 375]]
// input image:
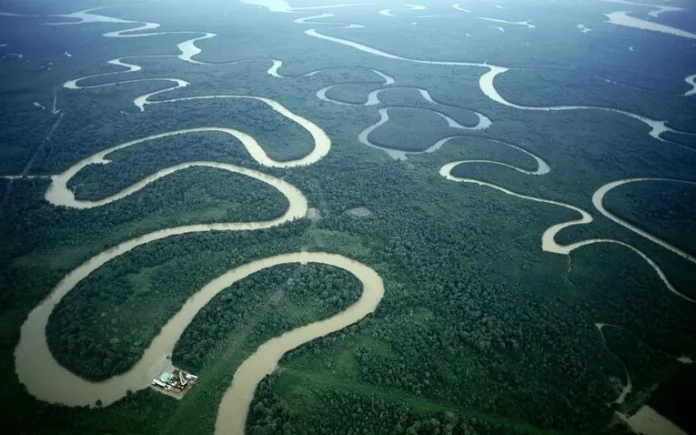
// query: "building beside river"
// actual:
[[175, 384]]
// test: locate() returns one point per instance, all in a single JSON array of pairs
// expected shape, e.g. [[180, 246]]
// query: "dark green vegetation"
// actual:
[[479, 332], [403, 132], [104, 333], [670, 219]]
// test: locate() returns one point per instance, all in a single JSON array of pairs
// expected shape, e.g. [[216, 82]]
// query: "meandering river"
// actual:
[[47, 380]]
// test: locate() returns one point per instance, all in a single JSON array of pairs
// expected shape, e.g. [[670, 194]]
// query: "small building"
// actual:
[[175, 384]]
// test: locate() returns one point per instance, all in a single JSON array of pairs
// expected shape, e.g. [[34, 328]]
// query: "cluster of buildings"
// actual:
[[176, 384]]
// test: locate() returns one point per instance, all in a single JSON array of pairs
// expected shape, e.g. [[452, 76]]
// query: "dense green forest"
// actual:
[[480, 332], [670, 219], [403, 132], [103, 333]]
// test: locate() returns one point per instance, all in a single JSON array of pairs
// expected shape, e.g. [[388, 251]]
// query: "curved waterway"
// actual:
[[373, 99], [187, 48], [235, 403], [47, 380], [549, 243], [548, 239], [656, 10], [483, 122], [407, 7], [691, 81], [542, 168], [487, 85], [486, 81], [35, 365], [622, 18], [628, 385], [525, 23], [43, 376], [364, 136], [598, 202], [58, 192]]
